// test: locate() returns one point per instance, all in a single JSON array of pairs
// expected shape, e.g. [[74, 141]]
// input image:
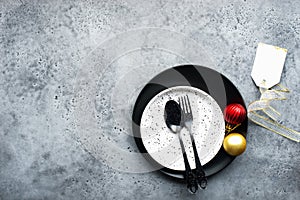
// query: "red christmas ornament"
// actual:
[[235, 113]]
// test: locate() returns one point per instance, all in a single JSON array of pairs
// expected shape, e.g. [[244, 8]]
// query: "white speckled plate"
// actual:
[[163, 145]]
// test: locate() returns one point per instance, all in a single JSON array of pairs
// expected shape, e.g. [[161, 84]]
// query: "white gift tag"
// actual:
[[268, 65]]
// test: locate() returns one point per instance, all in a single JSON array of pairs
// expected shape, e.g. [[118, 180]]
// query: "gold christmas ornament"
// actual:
[[234, 144]]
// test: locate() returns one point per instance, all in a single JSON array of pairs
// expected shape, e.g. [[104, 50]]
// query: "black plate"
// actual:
[[208, 80]]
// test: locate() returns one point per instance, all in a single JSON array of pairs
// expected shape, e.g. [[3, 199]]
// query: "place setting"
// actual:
[[190, 122]]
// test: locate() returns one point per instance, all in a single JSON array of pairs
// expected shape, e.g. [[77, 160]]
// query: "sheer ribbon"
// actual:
[[263, 114]]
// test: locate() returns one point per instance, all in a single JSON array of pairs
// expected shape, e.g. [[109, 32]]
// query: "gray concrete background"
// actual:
[[43, 45]]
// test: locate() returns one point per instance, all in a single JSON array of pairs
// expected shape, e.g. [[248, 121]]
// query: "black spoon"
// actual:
[[174, 123]]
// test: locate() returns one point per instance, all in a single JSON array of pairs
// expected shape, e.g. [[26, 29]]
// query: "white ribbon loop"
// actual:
[[263, 114]]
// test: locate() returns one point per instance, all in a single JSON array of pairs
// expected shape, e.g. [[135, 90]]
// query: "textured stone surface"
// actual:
[[43, 48]]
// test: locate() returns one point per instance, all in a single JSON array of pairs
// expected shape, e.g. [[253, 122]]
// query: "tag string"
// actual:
[[263, 114]]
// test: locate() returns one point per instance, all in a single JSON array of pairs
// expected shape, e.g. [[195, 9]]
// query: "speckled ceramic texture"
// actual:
[[163, 145]]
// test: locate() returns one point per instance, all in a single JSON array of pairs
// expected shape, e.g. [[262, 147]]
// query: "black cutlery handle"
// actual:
[[191, 182], [189, 176], [199, 171]]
